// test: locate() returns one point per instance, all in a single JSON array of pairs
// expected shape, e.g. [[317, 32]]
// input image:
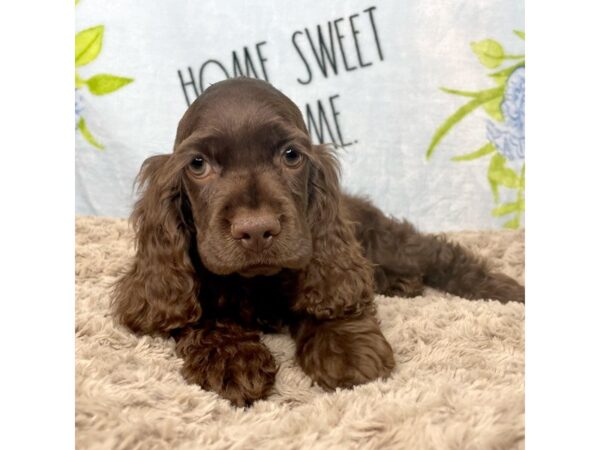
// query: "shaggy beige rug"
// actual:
[[458, 383]]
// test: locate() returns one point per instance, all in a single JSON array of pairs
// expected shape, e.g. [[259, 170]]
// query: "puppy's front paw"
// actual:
[[242, 371], [344, 353]]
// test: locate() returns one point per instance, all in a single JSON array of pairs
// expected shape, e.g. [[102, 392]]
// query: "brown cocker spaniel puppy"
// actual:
[[243, 228]]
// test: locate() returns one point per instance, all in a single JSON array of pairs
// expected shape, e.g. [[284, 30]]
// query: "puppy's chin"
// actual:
[[215, 260], [254, 269], [259, 270]]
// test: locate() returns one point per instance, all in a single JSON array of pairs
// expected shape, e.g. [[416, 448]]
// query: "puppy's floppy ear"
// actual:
[[158, 293], [339, 279], [324, 187]]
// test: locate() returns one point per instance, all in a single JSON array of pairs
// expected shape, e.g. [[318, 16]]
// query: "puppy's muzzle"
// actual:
[[255, 231]]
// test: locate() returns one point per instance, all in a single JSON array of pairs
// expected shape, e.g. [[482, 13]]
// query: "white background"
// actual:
[[392, 108]]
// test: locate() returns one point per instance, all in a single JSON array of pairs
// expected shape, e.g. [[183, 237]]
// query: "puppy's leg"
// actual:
[[455, 269], [342, 352], [398, 284], [228, 360], [404, 259]]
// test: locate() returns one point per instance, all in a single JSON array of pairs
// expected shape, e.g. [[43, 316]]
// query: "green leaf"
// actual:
[[501, 76], [494, 188], [489, 52], [521, 203], [85, 132], [521, 34], [496, 161], [485, 150], [505, 209], [461, 113], [105, 84], [88, 44], [512, 224], [79, 82], [505, 73], [522, 178], [500, 80], [493, 109], [461, 93], [501, 175]]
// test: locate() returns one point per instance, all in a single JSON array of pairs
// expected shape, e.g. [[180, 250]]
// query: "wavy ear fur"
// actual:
[[339, 279], [159, 292]]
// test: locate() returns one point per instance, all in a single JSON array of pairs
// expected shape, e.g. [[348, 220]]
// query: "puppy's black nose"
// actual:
[[255, 231]]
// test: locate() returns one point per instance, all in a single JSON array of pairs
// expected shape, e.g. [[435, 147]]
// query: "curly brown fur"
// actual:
[[225, 358], [406, 260], [244, 228], [339, 280], [159, 292], [344, 352]]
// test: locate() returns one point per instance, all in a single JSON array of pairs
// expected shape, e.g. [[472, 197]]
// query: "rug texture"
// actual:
[[458, 381]]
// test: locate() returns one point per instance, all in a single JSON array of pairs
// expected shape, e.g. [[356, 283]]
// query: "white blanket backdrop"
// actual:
[[369, 72]]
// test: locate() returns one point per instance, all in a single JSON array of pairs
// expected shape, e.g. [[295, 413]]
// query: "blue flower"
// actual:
[[78, 106], [509, 137]]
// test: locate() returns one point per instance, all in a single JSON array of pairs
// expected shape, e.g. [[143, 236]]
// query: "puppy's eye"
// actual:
[[291, 157], [200, 166]]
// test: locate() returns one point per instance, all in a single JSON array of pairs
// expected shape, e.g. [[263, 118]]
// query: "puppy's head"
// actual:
[[251, 179], [244, 190]]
